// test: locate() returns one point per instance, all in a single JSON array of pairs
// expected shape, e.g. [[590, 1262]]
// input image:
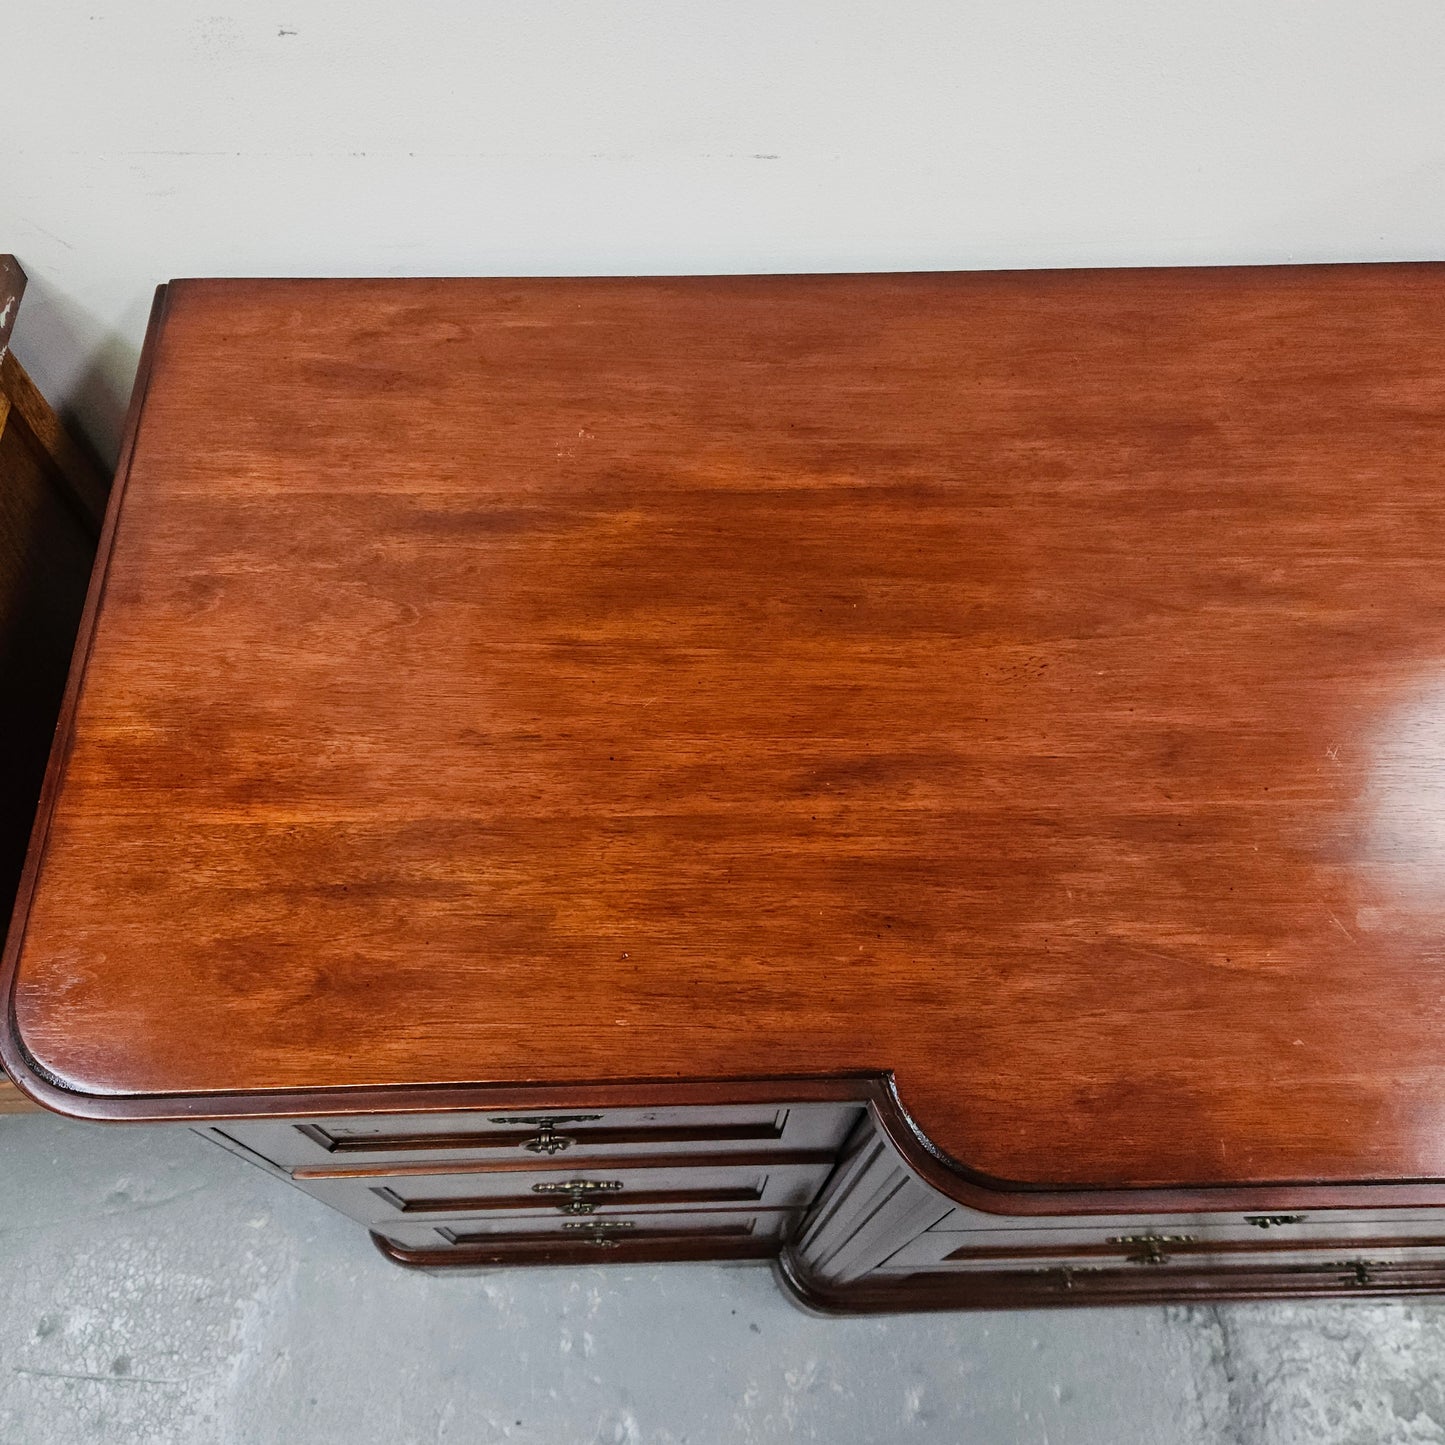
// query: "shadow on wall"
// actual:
[[84, 365]]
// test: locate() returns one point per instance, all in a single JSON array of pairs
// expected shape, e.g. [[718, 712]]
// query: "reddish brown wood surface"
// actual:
[[1033, 684]]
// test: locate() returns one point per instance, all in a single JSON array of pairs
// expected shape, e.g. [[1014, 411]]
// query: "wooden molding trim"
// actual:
[[1342, 1279], [671, 1252], [953, 1179]]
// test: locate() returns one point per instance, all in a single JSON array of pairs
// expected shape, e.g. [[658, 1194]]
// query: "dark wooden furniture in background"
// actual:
[[52, 499], [936, 778]]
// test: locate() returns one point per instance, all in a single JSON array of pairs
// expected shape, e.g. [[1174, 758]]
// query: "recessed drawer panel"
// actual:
[[419, 1193], [934, 1252], [1281, 1233], [399, 1138], [1276, 1224], [603, 1234]]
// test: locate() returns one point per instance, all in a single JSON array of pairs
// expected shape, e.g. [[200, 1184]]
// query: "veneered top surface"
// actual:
[[1033, 684]]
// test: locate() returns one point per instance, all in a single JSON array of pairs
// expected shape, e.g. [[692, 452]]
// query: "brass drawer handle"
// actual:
[[597, 1231], [1150, 1250], [547, 1140], [578, 1192], [1273, 1221], [1361, 1271]]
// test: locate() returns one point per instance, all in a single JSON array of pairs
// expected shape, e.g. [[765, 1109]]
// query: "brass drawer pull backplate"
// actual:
[[547, 1140], [578, 1192]]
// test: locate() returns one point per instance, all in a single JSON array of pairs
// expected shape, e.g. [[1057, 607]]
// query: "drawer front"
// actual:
[[1300, 1231], [381, 1139], [379, 1199], [1279, 1224], [600, 1234], [941, 1252]]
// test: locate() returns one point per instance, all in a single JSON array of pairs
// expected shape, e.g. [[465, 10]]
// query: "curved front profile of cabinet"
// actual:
[[931, 778]]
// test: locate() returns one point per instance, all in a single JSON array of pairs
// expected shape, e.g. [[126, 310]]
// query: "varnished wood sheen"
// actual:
[[1029, 684]]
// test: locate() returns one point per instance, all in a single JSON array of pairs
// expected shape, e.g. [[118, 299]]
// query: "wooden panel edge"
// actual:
[[78, 473], [956, 1183]]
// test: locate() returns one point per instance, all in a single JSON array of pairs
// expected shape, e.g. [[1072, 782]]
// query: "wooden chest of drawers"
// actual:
[[935, 779], [707, 1181]]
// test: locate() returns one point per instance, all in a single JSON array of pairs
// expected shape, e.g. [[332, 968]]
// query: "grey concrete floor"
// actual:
[[157, 1289]]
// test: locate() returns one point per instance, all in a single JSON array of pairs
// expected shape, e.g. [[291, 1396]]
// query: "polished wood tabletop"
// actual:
[[1030, 684]]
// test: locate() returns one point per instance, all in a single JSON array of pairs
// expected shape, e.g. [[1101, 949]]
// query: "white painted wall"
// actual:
[[143, 139]]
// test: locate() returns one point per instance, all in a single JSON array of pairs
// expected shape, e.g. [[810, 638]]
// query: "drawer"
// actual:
[[400, 1138], [482, 1189], [727, 1230], [943, 1252], [1277, 1224], [1304, 1232]]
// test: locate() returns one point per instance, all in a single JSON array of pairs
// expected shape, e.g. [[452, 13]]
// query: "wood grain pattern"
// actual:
[[1028, 684]]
